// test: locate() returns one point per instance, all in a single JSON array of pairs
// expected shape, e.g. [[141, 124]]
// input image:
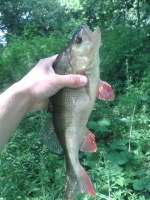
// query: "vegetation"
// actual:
[[120, 167]]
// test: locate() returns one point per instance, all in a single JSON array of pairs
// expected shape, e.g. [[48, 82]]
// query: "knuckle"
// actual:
[[73, 80], [40, 61]]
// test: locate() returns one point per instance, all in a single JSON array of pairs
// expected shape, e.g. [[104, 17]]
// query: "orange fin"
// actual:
[[50, 139], [105, 92], [88, 143], [78, 183]]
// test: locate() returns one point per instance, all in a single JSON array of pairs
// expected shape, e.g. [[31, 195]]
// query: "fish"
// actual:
[[71, 108]]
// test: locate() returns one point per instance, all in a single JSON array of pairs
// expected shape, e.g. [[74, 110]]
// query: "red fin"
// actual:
[[88, 143], [78, 183], [105, 91]]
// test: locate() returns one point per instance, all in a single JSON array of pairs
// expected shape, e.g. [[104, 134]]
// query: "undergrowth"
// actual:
[[119, 169]]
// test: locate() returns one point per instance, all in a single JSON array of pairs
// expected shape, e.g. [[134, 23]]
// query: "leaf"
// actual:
[[145, 97], [125, 119], [98, 106], [93, 160], [146, 183], [148, 115], [92, 125], [137, 185], [35, 189], [118, 157], [104, 122], [128, 180], [119, 144], [103, 129], [120, 181]]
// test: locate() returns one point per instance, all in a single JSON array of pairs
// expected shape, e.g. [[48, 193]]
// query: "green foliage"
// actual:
[[28, 170], [48, 16], [129, 52], [120, 167], [123, 156], [21, 55], [119, 171]]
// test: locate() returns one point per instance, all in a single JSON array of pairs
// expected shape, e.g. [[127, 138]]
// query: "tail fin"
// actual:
[[78, 183]]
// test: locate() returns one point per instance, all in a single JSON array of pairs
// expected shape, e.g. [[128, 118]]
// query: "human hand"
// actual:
[[42, 82]]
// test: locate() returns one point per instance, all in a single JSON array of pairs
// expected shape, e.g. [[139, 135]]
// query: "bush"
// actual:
[[18, 57]]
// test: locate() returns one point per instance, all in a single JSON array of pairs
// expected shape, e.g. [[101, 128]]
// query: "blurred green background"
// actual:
[[120, 169]]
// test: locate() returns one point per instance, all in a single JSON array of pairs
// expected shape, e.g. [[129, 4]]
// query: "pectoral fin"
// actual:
[[50, 139], [105, 92], [88, 143], [87, 86], [87, 90]]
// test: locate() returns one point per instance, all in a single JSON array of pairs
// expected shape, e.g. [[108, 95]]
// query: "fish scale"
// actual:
[[72, 108]]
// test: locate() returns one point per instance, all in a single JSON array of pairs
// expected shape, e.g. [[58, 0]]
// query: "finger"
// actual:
[[72, 81], [48, 62], [52, 59]]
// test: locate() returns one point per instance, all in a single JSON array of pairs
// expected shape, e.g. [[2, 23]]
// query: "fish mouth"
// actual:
[[94, 36]]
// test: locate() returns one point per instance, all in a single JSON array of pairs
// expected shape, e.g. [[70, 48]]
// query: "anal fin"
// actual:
[[50, 139], [88, 143]]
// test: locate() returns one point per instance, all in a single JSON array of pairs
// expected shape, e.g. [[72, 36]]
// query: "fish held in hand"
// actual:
[[72, 107]]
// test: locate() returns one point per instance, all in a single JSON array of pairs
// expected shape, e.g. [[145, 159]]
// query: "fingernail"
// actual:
[[83, 80]]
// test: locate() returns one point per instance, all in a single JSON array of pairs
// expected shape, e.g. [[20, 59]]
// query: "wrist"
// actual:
[[14, 103], [21, 96]]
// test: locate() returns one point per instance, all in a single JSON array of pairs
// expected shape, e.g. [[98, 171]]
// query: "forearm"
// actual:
[[32, 93], [14, 103]]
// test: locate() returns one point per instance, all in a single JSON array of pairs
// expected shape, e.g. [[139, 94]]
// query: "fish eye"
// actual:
[[78, 40]]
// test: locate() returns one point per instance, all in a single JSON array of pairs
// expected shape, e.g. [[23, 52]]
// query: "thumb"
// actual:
[[72, 81]]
